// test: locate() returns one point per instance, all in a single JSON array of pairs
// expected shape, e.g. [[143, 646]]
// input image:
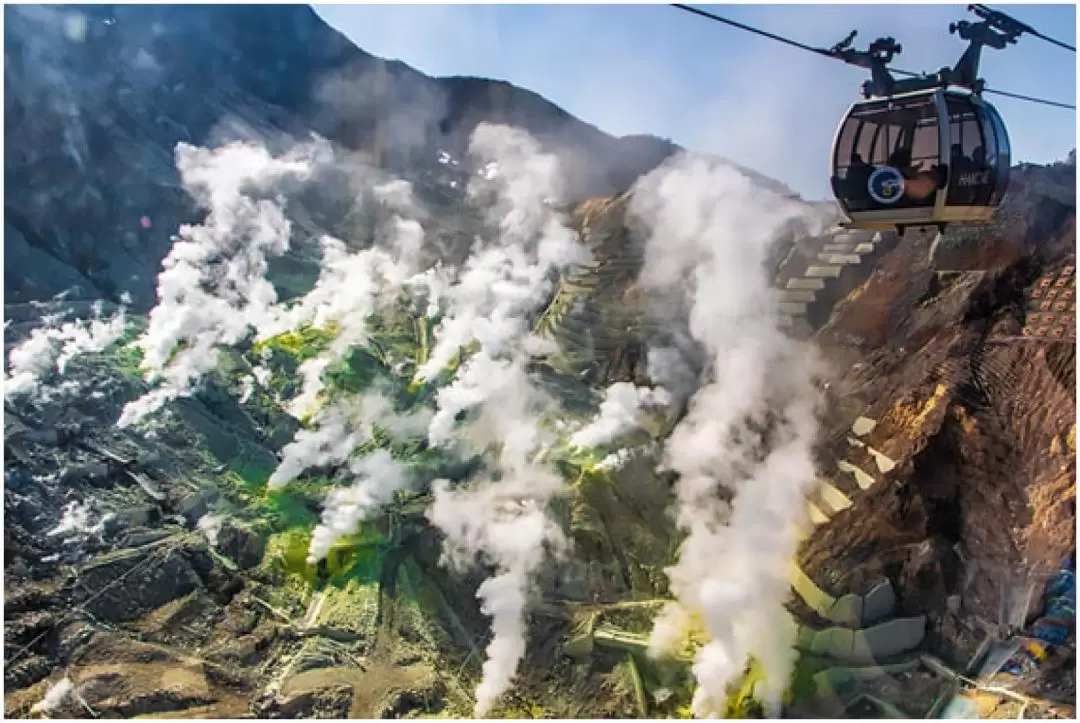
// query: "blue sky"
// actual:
[[709, 87]]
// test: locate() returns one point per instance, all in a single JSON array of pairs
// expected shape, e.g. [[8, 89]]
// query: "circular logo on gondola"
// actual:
[[886, 185]]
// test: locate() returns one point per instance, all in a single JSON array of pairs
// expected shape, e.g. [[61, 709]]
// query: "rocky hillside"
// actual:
[[97, 97], [159, 569]]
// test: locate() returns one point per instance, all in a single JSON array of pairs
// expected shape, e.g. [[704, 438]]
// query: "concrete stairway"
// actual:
[[864, 630], [822, 271]]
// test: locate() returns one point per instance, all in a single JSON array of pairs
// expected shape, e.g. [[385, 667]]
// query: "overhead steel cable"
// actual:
[[1028, 98], [828, 54], [1032, 31], [762, 33], [1048, 39]]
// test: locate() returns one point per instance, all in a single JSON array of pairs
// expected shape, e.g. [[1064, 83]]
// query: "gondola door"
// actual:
[[972, 155]]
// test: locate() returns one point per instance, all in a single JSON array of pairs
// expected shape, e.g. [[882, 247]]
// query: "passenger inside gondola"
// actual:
[[901, 160], [858, 178], [920, 183], [956, 155]]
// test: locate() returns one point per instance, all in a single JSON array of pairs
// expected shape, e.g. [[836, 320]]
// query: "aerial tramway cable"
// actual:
[[920, 150], [832, 55], [1032, 31]]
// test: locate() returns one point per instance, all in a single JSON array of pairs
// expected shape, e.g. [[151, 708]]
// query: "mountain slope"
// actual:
[[158, 567], [97, 98]]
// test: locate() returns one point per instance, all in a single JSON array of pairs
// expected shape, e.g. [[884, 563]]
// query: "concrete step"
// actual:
[[798, 295], [793, 308], [796, 326], [807, 284], [855, 612], [817, 599], [864, 480], [863, 426], [859, 611], [838, 248], [884, 463], [824, 272], [856, 236], [832, 499], [817, 517], [837, 688], [864, 646], [843, 259]]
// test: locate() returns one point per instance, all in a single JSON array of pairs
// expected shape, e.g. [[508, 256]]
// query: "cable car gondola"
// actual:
[[920, 159], [923, 151]]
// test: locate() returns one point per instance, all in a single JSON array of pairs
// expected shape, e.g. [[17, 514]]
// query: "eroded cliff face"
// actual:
[[977, 504]]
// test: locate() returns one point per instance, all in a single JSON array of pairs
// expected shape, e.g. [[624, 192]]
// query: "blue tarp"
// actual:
[[1024, 656]]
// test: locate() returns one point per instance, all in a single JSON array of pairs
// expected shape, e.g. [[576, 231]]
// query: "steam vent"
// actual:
[[335, 390]]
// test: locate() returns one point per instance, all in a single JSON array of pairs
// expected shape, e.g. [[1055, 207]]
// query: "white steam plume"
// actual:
[[377, 477], [75, 522], [50, 347], [210, 525], [504, 281], [749, 430], [353, 286], [213, 289], [350, 288], [57, 693], [503, 523], [667, 366], [618, 413], [307, 401], [340, 428], [78, 338], [343, 426]]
